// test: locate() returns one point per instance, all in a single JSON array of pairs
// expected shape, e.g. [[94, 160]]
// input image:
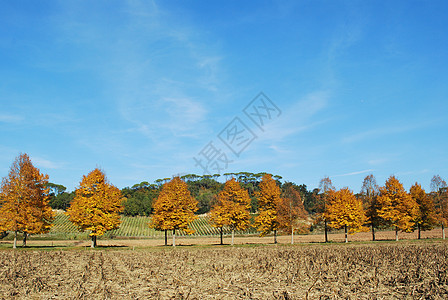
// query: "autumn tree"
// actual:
[[440, 194], [345, 210], [325, 186], [96, 205], [369, 194], [290, 210], [268, 204], [24, 203], [426, 218], [397, 207], [174, 208], [232, 208]]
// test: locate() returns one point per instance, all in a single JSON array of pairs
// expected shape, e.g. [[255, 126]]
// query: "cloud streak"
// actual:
[[354, 173], [10, 118]]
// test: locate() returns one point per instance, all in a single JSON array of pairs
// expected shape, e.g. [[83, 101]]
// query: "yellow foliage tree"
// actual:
[[396, 207], [24, 201], [290, 210], [174, 208], [96, 205], [268, 203], [344, 209], [426, 218], [232, 208]]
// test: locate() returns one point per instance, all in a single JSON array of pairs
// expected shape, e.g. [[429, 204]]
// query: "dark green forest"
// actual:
[[140, 196]]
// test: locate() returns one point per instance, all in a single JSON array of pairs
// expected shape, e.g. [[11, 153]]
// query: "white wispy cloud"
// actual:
[[10, 118], [298, 117], [354, 173], [387, 130], [44, 163]]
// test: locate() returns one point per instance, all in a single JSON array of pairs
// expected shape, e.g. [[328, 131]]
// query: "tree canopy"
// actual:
[[24, 200], [96, 205]]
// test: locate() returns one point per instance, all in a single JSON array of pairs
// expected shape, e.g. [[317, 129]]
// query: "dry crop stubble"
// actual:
[[285, 272]]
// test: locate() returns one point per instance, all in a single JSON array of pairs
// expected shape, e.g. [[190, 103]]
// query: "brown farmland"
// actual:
[[412, 270]]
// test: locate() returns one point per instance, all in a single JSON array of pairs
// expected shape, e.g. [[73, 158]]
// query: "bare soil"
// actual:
[[241, 240], [409, 270]]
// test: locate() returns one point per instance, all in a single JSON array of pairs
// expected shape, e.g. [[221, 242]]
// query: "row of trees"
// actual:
[[390, 205], [95, 205], [175, 208], [25, 202]]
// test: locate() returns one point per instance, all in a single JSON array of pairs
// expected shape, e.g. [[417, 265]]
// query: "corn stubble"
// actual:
[[306, 272]]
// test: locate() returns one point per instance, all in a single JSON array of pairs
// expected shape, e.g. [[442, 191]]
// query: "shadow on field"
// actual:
[[109, 246]]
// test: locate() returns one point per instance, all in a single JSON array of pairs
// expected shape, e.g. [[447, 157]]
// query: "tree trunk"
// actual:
[[396, 233], [220, 233], [443, 232], [373, 232], [419, 231], [275, 236], [15, 240], [326, 232], [292, 236], [233, 235], [346, 237], [166, 237], [24, 239], [174, 237], [93, 245]]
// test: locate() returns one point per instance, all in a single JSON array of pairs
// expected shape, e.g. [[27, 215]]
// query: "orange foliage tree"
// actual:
[[397, 207], [290, 210], [174, 208], [24, 201], [344, 209], [268, 203], [96, 205], [440, 195], [232, 208], [426, 218]]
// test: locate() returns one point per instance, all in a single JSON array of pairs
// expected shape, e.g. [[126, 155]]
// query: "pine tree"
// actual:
[[232, 208], [96, 205], [397, 207], [174, 208], [346, 211], [24, 201], [268, 203]]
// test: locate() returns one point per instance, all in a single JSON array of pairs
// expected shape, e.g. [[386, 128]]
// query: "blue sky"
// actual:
[[140, 88]]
